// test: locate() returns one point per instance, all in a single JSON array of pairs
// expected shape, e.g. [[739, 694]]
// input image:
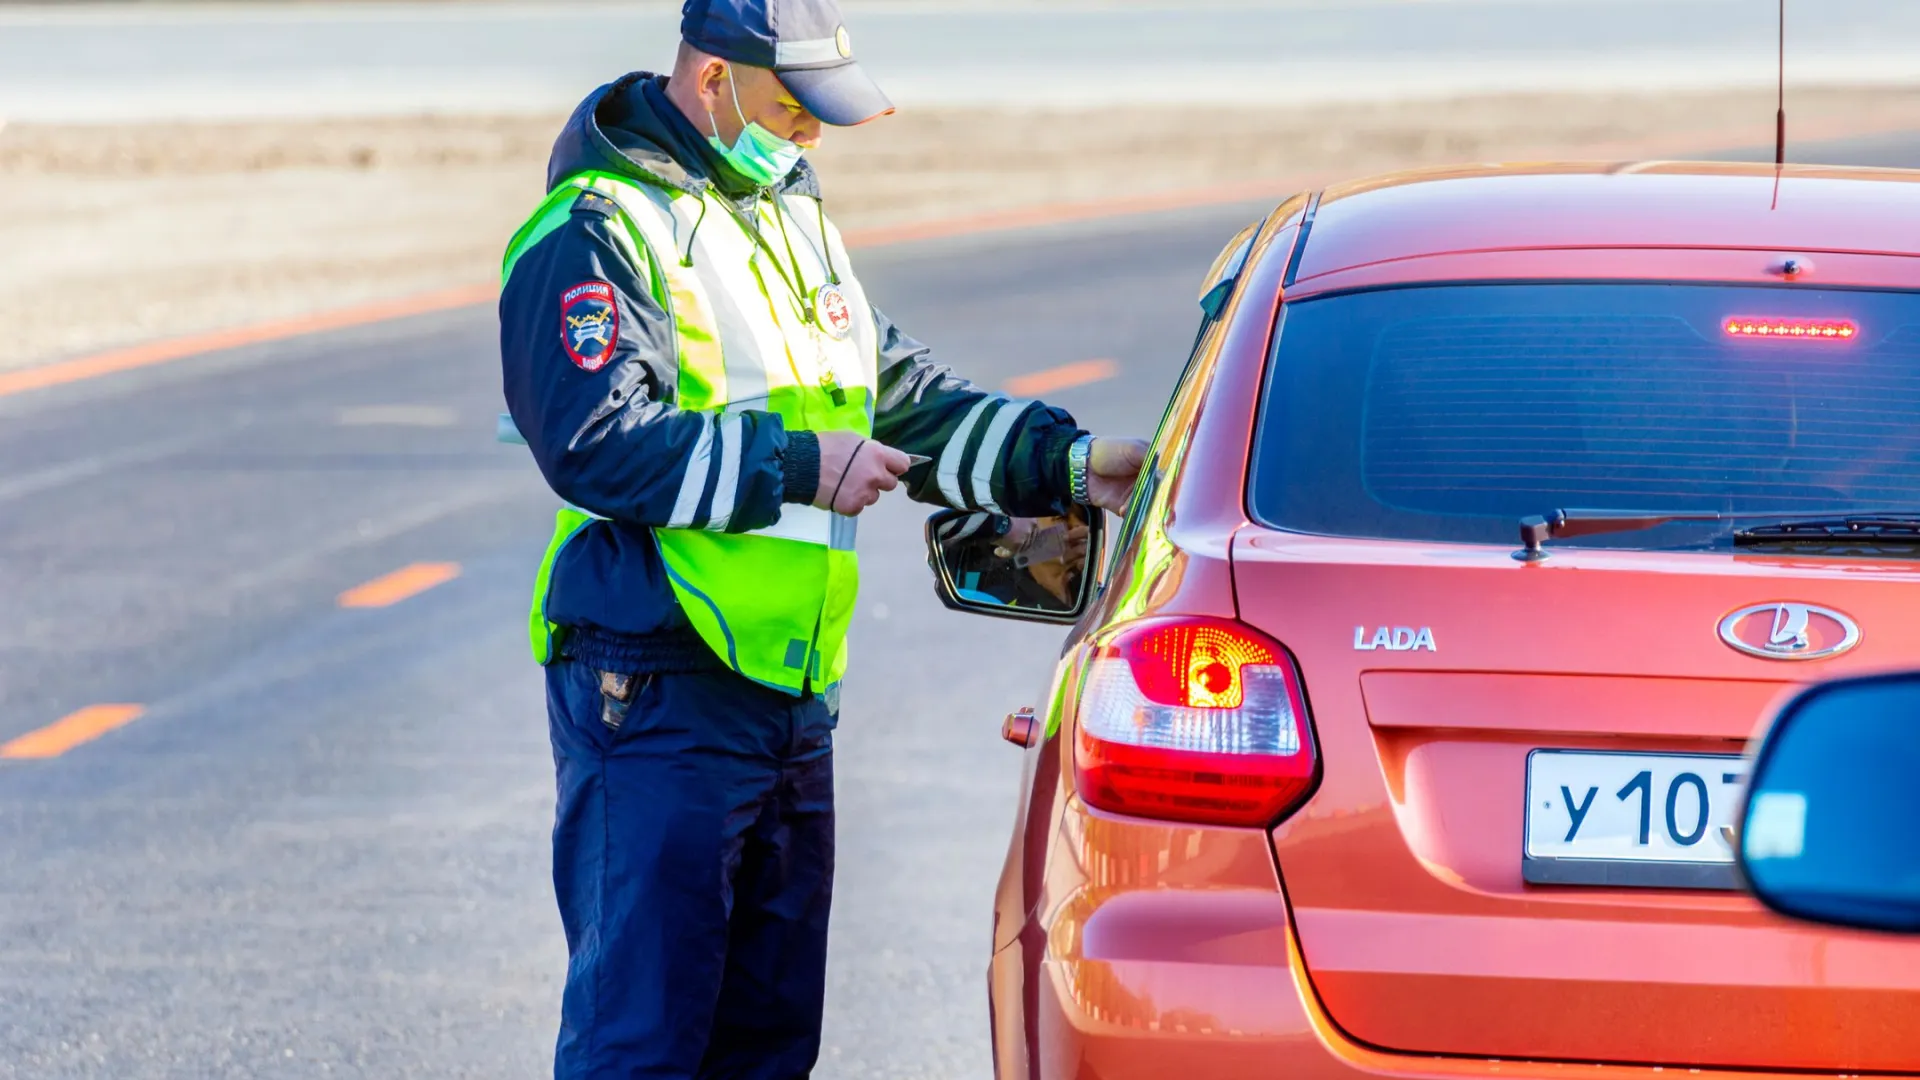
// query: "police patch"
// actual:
[[589, 324]]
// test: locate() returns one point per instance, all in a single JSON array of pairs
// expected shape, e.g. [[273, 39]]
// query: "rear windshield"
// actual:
[[1450, 412]]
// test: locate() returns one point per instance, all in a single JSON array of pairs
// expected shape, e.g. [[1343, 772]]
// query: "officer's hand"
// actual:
[[1077, 540], [1018, 529], [1112, 467], [854, 472]]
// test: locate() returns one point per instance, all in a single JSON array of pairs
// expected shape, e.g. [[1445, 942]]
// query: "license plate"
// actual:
[[1652, 820]]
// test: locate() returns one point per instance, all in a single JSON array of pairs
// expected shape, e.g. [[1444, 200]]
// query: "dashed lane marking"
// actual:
[[70, 731], [1034, 384], [408, 581]]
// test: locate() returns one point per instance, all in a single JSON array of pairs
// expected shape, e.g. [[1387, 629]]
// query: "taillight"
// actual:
[[1193, 719]]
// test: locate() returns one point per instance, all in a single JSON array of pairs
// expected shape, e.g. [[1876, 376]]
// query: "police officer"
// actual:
[[694, 365]]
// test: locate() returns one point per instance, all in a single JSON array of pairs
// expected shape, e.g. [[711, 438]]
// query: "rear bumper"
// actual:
[[1165, 951], [1233, 1018]]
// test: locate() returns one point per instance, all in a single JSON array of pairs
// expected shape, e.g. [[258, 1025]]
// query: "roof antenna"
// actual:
[[1780, 119]]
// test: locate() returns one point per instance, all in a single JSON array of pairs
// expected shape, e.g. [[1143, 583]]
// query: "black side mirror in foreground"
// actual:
[[1831, 831], [1034, 569]]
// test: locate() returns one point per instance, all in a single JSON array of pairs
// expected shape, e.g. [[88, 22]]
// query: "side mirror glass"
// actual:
[[1036, 569], [1828, 834]]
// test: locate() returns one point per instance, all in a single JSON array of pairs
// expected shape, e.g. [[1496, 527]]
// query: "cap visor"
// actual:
[[842, 96]]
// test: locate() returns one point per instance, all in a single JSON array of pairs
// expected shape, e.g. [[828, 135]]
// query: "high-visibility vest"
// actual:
[[774, 604]]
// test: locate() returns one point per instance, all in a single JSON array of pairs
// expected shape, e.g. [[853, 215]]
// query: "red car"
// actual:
[[1403, 734]]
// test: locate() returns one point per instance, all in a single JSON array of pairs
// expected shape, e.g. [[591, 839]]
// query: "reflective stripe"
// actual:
[[950, 458], [746, 377], [650, 211], [694, 483], [743, 341], [988, 457], [727, 489], [748, 346], [845, 529], [807, 524], [817, 51], [812, 525], [956, 531]]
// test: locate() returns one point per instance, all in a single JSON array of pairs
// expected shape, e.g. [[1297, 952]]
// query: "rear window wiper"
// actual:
[[1816, 528], [1854, 530], [1537, 529]]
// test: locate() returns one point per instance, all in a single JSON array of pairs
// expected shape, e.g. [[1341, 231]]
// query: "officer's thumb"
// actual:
[[893, 460]]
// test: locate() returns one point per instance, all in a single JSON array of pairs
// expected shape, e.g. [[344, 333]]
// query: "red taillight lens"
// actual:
[[1197, 720]]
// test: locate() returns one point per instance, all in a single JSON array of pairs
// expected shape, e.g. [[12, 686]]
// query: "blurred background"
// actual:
[[269, 596], [145, 144]]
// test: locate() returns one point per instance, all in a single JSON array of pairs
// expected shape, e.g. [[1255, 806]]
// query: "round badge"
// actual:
[[835, 314], [841, 39]]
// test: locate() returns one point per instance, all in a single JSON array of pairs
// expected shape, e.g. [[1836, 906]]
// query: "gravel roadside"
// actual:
[[122, 234]]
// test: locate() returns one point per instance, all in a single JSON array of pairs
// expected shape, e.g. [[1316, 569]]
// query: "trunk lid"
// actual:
[[1433, 672]]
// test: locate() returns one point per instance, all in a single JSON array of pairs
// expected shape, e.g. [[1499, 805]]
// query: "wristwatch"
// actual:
[[1078, 455]]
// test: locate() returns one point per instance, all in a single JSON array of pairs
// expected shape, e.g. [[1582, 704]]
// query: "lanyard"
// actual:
[[797, 281], [796, 284]]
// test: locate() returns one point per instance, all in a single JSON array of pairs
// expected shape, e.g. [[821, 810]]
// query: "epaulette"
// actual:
[[593, 202]]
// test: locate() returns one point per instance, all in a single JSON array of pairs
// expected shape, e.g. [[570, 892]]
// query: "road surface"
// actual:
[[320, 850], [158, 61]]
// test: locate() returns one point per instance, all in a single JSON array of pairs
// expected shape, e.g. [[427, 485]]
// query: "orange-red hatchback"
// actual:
[[1403, 736]]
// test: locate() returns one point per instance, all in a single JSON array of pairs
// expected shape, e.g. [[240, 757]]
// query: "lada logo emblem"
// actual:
[[1789, 631]]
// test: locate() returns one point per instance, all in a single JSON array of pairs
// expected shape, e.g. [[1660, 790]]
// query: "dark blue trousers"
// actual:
[[693, 863]]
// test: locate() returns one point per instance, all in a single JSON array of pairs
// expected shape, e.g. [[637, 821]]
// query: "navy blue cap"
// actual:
[[803, 42]]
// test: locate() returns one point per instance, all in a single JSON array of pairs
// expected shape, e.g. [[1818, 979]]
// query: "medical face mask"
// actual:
[[758, 154]]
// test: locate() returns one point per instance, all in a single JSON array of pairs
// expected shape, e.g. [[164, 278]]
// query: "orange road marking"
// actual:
[[64, 734], [161, 352], [390, 589], [1059, 378]]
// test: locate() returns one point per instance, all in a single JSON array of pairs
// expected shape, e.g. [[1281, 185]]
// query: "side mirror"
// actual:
[[1828, 834], [1034, 569]]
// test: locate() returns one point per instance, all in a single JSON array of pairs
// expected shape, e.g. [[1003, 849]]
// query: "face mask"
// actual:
[[758, 154]]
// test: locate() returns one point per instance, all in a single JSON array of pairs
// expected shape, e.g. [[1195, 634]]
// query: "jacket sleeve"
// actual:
[[601, 421], [989, 452]]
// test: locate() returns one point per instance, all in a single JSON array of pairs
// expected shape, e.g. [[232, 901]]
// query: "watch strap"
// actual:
[[1079, 457]]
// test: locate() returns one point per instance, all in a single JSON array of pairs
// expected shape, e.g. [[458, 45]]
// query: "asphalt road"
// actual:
[[321, 850], [105, 61]]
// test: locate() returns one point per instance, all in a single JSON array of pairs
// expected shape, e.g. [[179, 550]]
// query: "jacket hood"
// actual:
[[629, 128]]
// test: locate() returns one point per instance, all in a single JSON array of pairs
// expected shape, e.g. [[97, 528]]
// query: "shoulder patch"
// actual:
[[592, 202], [589, 324]]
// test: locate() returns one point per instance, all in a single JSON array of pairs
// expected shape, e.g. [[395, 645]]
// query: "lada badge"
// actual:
[[1789, 631]]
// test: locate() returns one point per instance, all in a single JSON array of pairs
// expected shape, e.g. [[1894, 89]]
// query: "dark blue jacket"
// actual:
[[608, 438]]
